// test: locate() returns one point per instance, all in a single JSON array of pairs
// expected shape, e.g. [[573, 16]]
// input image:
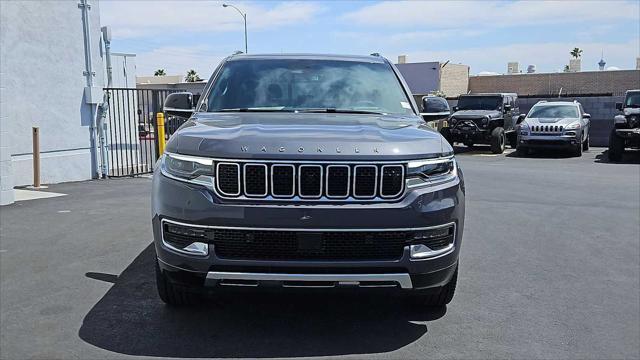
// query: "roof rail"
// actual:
[[542, 101], [237, 52], [375, 54]]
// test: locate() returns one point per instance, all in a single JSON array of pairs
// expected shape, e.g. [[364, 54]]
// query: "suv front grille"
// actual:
[[547, 128], [310, 181]]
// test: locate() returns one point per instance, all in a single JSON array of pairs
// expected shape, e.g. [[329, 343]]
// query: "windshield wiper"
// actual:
[[341, 111], [253, 110]]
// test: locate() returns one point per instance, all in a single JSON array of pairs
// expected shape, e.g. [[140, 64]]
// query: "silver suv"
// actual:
[[554, 124]]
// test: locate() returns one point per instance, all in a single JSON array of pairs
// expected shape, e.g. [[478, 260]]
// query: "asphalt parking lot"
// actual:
[[550, 268]]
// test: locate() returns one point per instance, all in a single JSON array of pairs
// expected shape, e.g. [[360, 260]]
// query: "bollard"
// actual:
[[160, 125], [36, 157]]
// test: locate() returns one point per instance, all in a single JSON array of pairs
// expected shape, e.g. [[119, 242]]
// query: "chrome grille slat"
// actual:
[[255, 180], [336, 182], [362, 176], [313, 181], [280, 180]]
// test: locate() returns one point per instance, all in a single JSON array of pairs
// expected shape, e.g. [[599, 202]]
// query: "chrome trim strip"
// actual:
[[266, 179], [300, 178], [403, 182], [218, 178], [375, 184], [348, 182], [293, 181], [403, 279], [336, 162], [311, 230]]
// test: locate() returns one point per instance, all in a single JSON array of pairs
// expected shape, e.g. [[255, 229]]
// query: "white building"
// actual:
[[46, 50]]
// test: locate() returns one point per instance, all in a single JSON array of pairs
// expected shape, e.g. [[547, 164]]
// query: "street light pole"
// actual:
[[244, 16]]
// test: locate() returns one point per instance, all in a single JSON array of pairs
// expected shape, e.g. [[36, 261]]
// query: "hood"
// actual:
[[307, 136], [474, 114], [556, 121]]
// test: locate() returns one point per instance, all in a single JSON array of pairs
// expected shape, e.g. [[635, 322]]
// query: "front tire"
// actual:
[[442, 297], [513, 140], [585, 145], [497, 140], [577, 150], [172, 294], [616, 146]]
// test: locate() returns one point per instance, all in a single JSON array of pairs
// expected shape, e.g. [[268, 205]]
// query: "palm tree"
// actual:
[[576, 53], [160, 72], [192, 76], [566, 68]]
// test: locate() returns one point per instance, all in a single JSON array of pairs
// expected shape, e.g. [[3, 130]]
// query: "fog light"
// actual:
[[421, 251], [197, 248]]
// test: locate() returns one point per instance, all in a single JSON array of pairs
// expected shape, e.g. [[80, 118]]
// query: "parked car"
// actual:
[[626, 130], [554, 124], [306, 171], [435, 111], [484, 119]]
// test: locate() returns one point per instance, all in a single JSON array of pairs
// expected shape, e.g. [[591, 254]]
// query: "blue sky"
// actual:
[[179, 35]]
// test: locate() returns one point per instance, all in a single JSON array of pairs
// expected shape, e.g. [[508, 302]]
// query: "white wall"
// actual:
[[41, 66]]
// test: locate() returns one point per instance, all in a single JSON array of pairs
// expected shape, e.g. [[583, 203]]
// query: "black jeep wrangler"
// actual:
[[626, 130], [484, 119]]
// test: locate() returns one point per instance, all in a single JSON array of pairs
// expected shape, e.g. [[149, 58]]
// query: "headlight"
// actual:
[[573, 126], [485, 120], [523, 128], [188, 168], [431, 171], [453, 120]]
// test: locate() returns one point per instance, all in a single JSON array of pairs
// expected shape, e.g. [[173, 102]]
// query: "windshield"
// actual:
[[632, 100], [312, 85], [480, 103], [435, 105], [554, 111]]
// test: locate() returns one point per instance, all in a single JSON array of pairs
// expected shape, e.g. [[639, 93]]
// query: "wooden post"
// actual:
[[36, 157]]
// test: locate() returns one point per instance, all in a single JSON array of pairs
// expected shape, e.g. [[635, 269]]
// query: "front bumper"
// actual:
[[420, 208], [629, 134], [549, 141], [469, 131]]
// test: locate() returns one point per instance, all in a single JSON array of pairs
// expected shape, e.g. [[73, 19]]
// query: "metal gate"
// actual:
[[131, 129]]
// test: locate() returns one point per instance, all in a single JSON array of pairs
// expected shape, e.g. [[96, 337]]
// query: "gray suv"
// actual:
[[306, 171], [554, 125]]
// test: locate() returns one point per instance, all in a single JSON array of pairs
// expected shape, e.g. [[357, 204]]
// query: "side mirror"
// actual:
[[455, 108], [507, 107], [521, 118], [179, 104], [619, 106], [586, 116], [424, 104]]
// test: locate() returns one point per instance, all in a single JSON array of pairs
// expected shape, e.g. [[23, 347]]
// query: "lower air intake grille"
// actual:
[[291, 245]]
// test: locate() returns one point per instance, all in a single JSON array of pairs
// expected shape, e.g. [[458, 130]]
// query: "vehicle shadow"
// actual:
[[131, 319], [628, 157]]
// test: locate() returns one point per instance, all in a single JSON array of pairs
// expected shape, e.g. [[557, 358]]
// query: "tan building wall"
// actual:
[[454, 79], [587, 82]]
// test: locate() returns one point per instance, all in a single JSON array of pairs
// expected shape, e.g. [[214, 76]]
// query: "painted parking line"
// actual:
[[23, 195]]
